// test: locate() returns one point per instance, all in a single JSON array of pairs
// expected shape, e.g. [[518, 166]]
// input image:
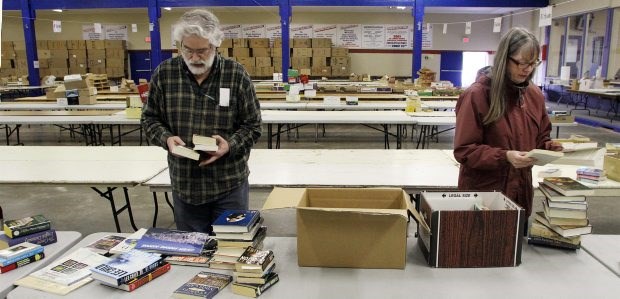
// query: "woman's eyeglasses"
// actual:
[[523, 66]]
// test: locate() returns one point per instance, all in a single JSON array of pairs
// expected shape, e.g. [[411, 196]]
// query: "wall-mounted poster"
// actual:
[[349, 36], [301, 31], [117, 32], [397, 36], [232, 31], [88, 33], [427, 37], [373, 36], [253, 30], [325, 31]]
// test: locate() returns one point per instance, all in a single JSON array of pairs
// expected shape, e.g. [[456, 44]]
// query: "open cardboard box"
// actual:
[[453, 234], [347, 227]]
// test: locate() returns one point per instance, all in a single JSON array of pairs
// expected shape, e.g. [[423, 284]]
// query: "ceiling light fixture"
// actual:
[[168, 8], [401, 7], [57, 10]]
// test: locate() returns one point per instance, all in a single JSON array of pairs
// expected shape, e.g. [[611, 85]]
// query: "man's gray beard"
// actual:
[[204, 68]]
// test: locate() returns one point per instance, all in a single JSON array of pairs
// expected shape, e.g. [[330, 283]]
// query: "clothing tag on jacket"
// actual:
[[224, 97]]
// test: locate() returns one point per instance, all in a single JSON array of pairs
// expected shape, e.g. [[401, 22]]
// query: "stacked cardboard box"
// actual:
[[8, 69], [62, 57]]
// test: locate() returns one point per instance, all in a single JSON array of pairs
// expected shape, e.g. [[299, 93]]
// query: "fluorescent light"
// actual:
[[167, 8], [57, 10], [401, 7]]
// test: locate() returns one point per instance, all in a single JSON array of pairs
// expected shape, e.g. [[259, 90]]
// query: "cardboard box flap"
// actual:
[[359, 198], [281, 198], [402, 213]]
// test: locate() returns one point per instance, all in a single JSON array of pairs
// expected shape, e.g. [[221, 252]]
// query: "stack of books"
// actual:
[[64, 275], [235, 231], [254, 272], [564, 218], [21, 234], [203, 285], [591, 175], [180, 247], [129, 271], [20, 255], [34, 229]]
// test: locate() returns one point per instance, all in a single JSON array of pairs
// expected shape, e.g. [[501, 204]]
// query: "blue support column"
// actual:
[[285, 22], [418, 21], [28, 16], [607, 42], [154, 15]]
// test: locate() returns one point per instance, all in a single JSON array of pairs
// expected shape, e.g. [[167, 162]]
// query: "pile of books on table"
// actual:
[[235, 231], [591, 175], [23, 240], [564, 218], [254, 272]]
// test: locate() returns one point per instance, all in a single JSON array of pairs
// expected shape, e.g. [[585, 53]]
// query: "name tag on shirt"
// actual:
[[224, 97]]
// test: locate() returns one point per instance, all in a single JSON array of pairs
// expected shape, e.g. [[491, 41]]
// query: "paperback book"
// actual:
[[26, 226], [555, 196], [204, 143], [126, 266], [254, 260], [563, 212], [35, 283], [235, 242], [42, 238], [242, 236], [254, 290], [173, 242], [544, 157], [235, 221], [72, 268], [564, 230], [105, 244], [255, 278], [567, 186], [129, 243], [203, 285], [186, 152]]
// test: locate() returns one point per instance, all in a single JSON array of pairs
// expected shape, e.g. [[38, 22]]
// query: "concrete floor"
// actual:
[[78, 208]]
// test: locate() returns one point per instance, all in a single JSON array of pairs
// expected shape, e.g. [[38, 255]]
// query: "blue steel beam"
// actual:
[[285, 22], [30, 39], [154, 15], [418, 18]]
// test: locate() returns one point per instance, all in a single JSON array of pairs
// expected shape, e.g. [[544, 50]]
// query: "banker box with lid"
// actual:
[[470, 229]]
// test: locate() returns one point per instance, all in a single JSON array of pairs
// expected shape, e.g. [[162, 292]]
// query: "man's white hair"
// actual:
[[199, 22]]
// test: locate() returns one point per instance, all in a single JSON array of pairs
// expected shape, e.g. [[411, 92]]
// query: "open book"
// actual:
[[544, 156]]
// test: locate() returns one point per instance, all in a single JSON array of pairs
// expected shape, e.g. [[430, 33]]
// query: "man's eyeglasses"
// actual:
[[200, 52], [525, 65]]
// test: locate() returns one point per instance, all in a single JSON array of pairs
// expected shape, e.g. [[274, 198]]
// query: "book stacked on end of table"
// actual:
[[235, 231], [16, 243], [130, 270], [591, 175], [564, 218], [180, 247], [254, 272]]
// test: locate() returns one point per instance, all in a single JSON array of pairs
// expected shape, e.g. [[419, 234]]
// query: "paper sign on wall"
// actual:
[[497, 24], [56, 26], [134, 27], [544, 16], [445, 28], [468, 28], [97, 27]]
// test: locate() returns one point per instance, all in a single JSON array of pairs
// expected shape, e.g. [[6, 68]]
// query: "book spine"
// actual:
[[150, 276], [551, 243], [26, 230], [261, 289], [22, 262], [6, 262], [128, 278], [40, 238]]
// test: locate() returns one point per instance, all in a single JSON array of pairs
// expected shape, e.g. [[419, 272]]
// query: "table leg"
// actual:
[[109, 195], [269, 136], [399, 136]]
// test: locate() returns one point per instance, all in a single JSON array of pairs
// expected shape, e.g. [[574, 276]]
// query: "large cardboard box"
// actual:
[[241, 52], [321, 42], [259, 43], [340, 52], [262, 52], [470, 229], [612, 166], [302, 43], [351, 227], [75, 81]]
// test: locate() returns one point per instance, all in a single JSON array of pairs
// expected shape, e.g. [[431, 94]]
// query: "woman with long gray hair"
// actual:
[[500, 118]]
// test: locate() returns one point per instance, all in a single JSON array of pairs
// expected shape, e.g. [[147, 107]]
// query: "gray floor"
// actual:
[[81, 209]]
